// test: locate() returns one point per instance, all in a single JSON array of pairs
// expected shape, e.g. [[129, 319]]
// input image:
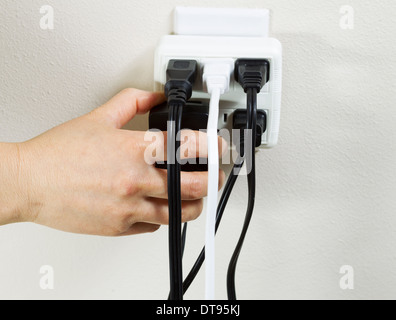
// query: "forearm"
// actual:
[[13, 202]]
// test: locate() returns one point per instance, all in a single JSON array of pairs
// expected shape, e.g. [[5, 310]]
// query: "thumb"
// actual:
[[123, 107]]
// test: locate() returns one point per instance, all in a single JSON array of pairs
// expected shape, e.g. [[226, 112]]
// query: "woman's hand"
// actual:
[[89, 176]]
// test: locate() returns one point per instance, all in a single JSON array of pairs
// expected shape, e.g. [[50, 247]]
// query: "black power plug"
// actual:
[[240, 119], [195, 117], [180, 77], [252, 73]]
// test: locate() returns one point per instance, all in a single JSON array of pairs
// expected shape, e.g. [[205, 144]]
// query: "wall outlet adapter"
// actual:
[[202, 48]]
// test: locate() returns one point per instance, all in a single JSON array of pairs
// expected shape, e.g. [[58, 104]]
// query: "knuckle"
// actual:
[[196, 188], [125, 187]]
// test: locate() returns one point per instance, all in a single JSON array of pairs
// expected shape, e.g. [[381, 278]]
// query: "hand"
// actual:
[[89, 176]]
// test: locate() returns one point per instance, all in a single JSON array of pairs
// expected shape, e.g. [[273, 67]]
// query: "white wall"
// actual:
[[326, 195]]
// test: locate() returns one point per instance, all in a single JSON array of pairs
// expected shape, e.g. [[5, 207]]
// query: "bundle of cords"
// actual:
[[252, 74], [181, 75]]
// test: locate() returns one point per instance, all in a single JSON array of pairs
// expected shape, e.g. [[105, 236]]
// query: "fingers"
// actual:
[[153, 213], [156, 211], [194, 185], [194, 144], [127, 104]]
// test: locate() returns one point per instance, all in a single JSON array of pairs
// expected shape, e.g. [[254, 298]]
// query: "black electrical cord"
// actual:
[[252, 75], [220, 212], [181, 75], [174, 192], [251, 167]]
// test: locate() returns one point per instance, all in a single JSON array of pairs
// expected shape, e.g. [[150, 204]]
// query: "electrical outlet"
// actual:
[[201, 48]]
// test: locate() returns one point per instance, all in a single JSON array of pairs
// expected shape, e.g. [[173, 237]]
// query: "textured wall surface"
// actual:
[[326, 196]]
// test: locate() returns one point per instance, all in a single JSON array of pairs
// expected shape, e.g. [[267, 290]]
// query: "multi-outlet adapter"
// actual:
[[204, 34]]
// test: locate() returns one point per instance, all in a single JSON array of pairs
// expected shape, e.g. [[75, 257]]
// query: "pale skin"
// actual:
[[89, 176]]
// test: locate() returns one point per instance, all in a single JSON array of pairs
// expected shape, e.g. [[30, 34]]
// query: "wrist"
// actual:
[[15, 201]]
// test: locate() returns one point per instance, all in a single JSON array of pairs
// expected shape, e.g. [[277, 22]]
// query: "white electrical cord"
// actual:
[[216, 79], [211, 209]]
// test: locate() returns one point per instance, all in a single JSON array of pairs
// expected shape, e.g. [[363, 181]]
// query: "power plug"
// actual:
[[239, 123]]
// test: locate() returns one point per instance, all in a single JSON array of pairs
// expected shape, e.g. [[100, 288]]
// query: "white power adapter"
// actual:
[[214, 33]]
